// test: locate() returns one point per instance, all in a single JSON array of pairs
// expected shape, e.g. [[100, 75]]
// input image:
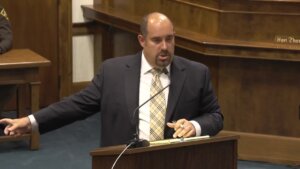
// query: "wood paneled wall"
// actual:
[[45, 27], [260, 96], [35, 26]]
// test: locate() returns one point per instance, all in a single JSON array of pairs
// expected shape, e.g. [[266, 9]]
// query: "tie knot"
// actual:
[[156, 72]]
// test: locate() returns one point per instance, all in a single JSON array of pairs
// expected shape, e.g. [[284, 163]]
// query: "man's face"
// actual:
[[159, 42]]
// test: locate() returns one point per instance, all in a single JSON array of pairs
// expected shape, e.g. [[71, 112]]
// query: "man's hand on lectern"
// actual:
[[183, 128]]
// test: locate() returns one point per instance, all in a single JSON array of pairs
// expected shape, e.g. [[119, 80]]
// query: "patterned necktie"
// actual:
[[157, 108]]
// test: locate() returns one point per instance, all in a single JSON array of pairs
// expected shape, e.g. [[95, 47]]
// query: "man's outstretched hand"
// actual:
[[16, 127]]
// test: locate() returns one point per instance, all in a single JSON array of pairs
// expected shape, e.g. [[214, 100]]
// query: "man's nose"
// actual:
[[164, 44]]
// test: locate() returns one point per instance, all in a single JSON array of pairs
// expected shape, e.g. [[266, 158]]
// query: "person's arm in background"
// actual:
[[6, 37]]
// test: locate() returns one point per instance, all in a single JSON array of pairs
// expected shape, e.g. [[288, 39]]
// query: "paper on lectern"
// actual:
[[177, 140]]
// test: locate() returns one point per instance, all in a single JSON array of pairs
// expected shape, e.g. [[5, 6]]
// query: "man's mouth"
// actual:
[[163, 55]]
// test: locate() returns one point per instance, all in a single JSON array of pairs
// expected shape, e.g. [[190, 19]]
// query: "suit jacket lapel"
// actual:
[[178, 75], [132, 78]]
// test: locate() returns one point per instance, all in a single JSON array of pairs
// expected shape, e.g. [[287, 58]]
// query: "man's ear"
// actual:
[[141, 40]]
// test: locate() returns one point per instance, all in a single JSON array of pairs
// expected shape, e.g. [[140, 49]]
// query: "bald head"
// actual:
[[153, 18], [157, 39]]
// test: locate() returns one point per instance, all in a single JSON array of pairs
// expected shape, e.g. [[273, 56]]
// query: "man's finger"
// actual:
[[12, 127], [6, 131], [180, 131], [11, 133], [189, 134], [5, 121], [171, 125]]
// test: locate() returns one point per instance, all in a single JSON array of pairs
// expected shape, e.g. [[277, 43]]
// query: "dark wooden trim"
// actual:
[[77, 86], [199, 43], [203, 5], [82, 29], [65, 47], [108, 44], [270, 148], [86, 28], [218, 152]]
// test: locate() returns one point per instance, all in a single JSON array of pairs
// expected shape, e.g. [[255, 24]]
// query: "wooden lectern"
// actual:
[[218, 152]]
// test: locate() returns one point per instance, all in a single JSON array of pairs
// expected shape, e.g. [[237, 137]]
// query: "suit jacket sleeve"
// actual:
[[73, 108], [211, 120]]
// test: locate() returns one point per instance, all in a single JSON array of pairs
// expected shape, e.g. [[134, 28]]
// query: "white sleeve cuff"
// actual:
[[197, 127], [34, 124]]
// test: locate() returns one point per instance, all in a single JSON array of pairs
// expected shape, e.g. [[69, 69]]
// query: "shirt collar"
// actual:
[[146, 67]]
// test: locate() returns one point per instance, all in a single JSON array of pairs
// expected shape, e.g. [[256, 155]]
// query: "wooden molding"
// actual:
[[76, 87], [246, 7], [268, 148], [65, 47], [197, 42], [86, 28]]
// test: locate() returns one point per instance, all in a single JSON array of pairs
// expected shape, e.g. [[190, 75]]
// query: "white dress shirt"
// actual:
[[144, 94]]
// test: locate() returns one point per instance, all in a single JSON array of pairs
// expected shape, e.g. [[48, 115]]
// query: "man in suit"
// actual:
[[6, 91], [123, 83]]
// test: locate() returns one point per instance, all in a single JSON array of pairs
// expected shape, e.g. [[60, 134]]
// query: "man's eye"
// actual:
[[156, 40], [169, 38]]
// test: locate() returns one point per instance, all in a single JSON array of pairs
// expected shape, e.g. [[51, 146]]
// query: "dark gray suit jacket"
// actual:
[[114, 91]]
